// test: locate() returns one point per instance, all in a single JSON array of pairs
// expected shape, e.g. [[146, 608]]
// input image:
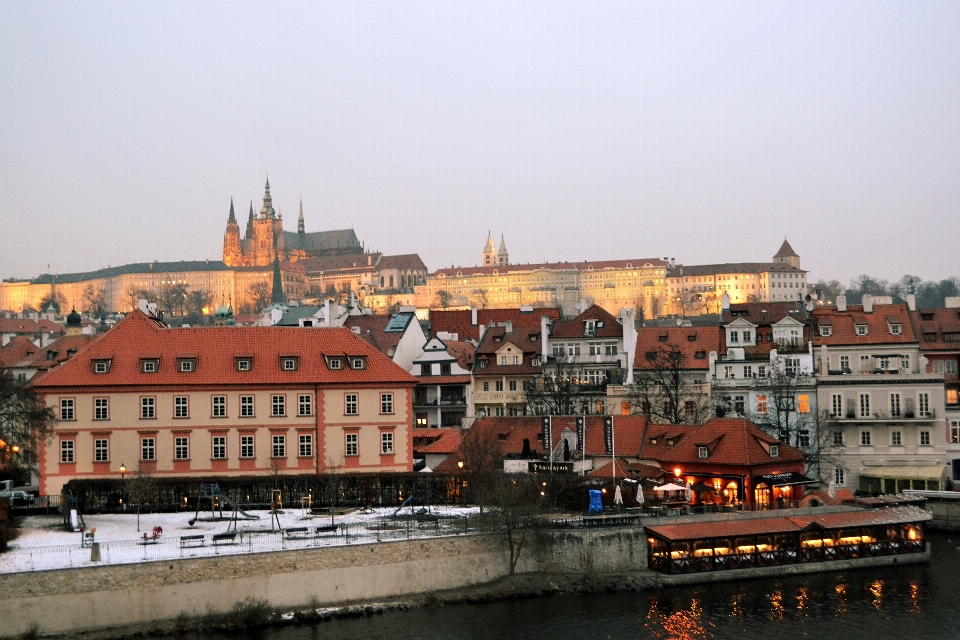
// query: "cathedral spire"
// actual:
[[267, 210], [233, 218], [301, 230], [250, 223]]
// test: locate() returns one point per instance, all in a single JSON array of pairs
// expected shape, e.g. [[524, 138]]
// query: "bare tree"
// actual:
[[173, 298], [557, 390], [197, 300], [783, 414], [444, 298], [259, 293], [25, 425], [480, 298], [480, 451], [55, 298], [133, 295], [665, 392], [515, 502], [94, 301]]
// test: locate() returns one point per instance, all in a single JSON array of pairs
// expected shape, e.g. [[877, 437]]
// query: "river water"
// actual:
[[916, 601]]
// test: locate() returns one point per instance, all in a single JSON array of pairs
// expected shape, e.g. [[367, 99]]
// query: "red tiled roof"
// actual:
[[786, 251], [597, 265], [705, 340], [525, 339], [731, 267], [931, 331], [458, 321], [408, 261], [843, 325], [575, 328], [511, 431], [16, 350], [436, 440], [54, 353], [216, 349], [763, 313], [352, 262], [730, 441], [464, 352], [26, 326], [372, 329]]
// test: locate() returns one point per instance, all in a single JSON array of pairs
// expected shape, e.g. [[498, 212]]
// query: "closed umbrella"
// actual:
[[688, 492], [639, 493], [618, 496]]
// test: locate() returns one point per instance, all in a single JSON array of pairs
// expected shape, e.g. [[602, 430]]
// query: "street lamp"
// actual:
[[123, 484]]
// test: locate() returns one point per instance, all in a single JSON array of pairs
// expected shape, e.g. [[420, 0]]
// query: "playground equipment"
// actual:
[[211, 494], [420, 494]]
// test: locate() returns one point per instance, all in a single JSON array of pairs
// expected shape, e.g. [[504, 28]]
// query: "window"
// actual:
[[761, 404], [954, 431], [498, 385], [486, 386], [689, 408], [803, 438], [895, 405], [951, 367], [865, 439], [219, 447], [219, 406], [148, 449], [803, 403], [512, 385], [246, 406], [761, 371], [148, 409], [734, 336], [358, 363], [445, 369], [498, 411], [895, 438], [279, 447], [334, 364], [101, 366], [836, 405], [884, 363], [186, 365], [306, 445], [246, 446], [503, 360], [483, 363], [924, 438], [838, 438], [426, 369], [353, 444], [67, 409], [305, 404], [101, 450], [774, 451], [610, 349], [181, 408], [747, 371], [278, 406], [289, 364], [66, 451], [747, 336], [702, 453], [386, 403], [905, 363], [792, 366], [101, 408], [244, 364], [826, 330], [386, 443], [896, 329], [351, 404], [149, 365], [864, 405], [738, 404], [861, 329], [924, 403], [728, 372], [838, 478], [181, 448], [844, 363], [953, 396]]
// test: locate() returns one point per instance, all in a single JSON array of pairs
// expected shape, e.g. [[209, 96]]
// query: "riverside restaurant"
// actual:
[[768, 542]]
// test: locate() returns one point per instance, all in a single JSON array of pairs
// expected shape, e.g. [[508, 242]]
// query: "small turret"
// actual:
[[249, 233], [267, 211], [489, 252], [301, 228], [502, 255]]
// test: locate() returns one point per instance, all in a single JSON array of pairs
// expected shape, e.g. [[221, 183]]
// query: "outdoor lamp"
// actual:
[[677, 471], [123, 469], [460, 464]]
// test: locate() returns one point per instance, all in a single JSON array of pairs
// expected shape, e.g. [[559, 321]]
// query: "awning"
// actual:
[[931, 472], [670, 487], [783, 479]]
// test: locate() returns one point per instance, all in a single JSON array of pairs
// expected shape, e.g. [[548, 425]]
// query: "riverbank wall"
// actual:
[[139, 595]]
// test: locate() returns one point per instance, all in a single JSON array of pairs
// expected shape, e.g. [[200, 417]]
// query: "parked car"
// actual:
[[17, 498]]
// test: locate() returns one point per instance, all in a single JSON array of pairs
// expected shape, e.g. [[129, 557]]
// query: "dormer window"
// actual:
[[826, 330], [244, 364], [896, 329], [149, 365], [653, 441], [926, 317], [774, 451], [334, 364], [358, 363], [734, 336], [670, 442], [289, 364], [702, 453], [186, 365], [52, 354], [861, 329], [691, 337], [101, 366], [700, 355]]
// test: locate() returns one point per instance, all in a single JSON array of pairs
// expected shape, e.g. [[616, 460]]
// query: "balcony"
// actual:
[[444, 402], [883, 416], [499, 397]]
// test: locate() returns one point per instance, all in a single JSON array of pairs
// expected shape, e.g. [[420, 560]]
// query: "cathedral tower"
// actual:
[[232, 251], [489, 252], [502, 256]]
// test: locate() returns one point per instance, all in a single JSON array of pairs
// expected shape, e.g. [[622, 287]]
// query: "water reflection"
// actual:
[[841, 596], [776, 605], [914, 597], [876, 590], [802, 601]]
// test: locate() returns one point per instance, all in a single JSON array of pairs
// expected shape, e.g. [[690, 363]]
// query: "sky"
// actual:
[[701, 131]]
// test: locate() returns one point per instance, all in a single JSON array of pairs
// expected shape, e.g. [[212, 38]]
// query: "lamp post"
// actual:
[[123, 484]]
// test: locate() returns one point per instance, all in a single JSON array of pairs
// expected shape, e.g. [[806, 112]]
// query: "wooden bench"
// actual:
[[191, 541], [329, 528], [225, 538], [295, 532]]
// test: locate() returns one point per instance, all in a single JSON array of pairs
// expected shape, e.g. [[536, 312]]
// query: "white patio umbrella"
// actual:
[[688, 492], [670, 487], [618, 496], [639, 493]]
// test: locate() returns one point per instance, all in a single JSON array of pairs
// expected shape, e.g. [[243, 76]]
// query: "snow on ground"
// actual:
[[48, 531]]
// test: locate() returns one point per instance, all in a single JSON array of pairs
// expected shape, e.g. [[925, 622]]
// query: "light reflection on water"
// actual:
[[917, 601]]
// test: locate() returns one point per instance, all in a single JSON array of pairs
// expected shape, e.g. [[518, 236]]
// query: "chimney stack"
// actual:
[[867, 303], [912, 301], [841, 303], [473, 316], [544, 339]]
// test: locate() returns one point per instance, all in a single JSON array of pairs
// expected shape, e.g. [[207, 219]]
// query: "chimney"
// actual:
[[725, 301], [841, 303], [142, 305], [473, 316], [369, 260], [544, 339], [508, 325], [867, 303], [912, 301]]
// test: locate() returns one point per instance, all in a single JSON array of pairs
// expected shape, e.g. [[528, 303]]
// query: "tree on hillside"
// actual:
[[134, 294], [444, 298], [197, 300], [55, 298], [481, 298], [259, 293], [557, 390], [173, 298], [94, 301], [665, 392]]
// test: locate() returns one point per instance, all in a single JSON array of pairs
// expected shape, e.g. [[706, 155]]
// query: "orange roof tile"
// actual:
[[436, 440], [574, 328], [731, 441], [139, 336], [844, 325], [458, 321], [16, 350], [694, 344]]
